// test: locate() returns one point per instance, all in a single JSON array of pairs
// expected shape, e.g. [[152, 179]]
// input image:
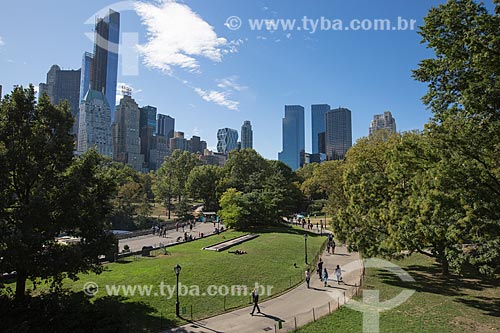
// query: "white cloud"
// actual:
[[217, 97], [2, 42], [177, 37], [229, 83]]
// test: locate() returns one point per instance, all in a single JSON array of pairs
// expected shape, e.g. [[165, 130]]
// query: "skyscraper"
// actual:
[[148, 117], [383, 122], [63, 85], [165, 126], [86, 74], [103, 72], [126, 143], [147, 130], [94, 129], [246, 135], [227, 140], [338, 135], [293, 137], [318, 126]]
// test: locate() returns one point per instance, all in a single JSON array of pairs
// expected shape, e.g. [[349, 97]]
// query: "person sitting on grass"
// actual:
[[238, 252]]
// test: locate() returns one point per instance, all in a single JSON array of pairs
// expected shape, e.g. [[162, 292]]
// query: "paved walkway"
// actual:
[[136, 243], [294, 308]]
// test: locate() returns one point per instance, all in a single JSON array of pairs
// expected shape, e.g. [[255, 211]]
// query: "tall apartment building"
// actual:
[[293, 137], [227, 140], [63, 85], [126, 143], [246, 135], [338, 133], [94, 129], [383, 122]]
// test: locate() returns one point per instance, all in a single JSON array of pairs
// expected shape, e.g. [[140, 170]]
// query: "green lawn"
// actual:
[[439, 304], [269, 261]]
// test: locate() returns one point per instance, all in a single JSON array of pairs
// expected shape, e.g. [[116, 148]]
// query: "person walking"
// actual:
[[308, 277], [338, 274], [255, 299], [325, 277], [333, 246], [320, 267]]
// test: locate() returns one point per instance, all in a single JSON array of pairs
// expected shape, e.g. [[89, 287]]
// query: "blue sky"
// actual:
[[207, 76]]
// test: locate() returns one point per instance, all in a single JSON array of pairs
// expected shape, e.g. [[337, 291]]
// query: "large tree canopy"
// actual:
[[45, 191]]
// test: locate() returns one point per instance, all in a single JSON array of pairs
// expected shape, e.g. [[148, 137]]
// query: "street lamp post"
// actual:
[[305, 246], [177, 270]]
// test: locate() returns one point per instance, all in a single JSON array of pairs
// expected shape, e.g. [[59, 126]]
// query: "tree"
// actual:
[[464, 85], [265, 190], [172, 177], [202, 184], [45, 191]]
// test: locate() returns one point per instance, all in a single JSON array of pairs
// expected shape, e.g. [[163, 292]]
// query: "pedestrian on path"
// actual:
[[308, 277], [320, 267], [255, 299], [338, 274], [325, 277]]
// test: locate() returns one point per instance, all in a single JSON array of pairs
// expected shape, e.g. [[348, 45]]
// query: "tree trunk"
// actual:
[[20, 284], [445, 267]]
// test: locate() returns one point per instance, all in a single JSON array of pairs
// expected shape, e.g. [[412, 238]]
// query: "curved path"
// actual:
[[294, 308]]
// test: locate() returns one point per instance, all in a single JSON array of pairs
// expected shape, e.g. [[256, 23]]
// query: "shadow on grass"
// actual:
[[428, 279], [489, 305], [73, 312]]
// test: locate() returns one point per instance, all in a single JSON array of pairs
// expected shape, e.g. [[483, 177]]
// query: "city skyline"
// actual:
[[237, 69]]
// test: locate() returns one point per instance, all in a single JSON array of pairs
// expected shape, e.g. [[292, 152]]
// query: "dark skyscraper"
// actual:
[[165, 126], [338, 135], [318, 126], [63, 85], [246, 135], [293, 137], [104, 71]]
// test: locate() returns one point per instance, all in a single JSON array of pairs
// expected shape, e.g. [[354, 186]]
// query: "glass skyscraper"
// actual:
[[338, 134], [100, 69], [318, 126], [148, 117], [227, 140], [293, 137], [165, 126], [86, 74]]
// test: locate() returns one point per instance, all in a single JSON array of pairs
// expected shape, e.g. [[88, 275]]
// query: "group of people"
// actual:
[[323, 274], [184, 225], [161, 230]]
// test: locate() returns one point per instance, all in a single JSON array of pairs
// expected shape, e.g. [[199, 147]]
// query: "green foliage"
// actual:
[[261, 192], [45, 191], [172, 177], [202, 184]]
